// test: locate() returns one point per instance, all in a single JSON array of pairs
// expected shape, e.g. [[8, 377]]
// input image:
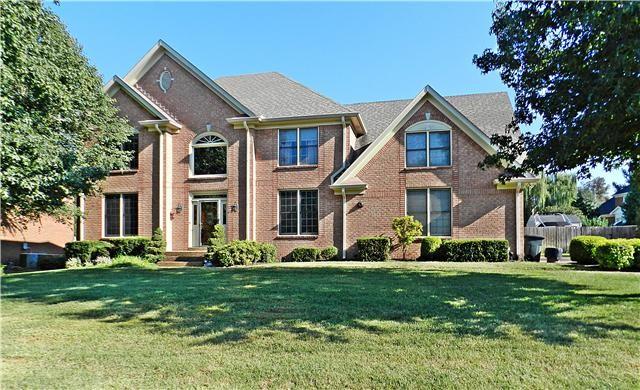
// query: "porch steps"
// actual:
[[191, 258]]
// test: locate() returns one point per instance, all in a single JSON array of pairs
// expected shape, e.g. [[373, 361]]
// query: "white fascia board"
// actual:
[[155, 53]]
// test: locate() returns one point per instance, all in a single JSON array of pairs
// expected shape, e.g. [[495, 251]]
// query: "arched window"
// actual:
[[428, 144], [209, 155]]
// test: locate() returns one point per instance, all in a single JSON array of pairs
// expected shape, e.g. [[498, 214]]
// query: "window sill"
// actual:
[[294, 167], [418, 169], [207, 177], [297, 237], [443, 237], [123, 172]]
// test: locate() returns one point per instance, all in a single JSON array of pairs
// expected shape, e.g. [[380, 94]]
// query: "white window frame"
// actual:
[[120, 212], [428, 189], [430, 126], [193, 145], [297, 164], [298, 219]]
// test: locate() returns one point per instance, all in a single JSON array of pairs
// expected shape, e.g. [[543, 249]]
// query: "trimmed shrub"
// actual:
[[328, 254], [73, 262], [635, 243], [87, 250], [305, 254], [268, 253], [218, 237], [582, 249], [374, 248], [156, 248], [129, 246], [429, 248], [615, 254], [474, 250], [237, 252]]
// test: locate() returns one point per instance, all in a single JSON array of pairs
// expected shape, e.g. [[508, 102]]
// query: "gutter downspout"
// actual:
[[344, 223], [247, 181], [518, 221]]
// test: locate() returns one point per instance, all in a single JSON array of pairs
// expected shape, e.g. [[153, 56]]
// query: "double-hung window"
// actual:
[[298, 214], [131, 146], [428, 148], [120, 215], [432, 207], [298, 146]]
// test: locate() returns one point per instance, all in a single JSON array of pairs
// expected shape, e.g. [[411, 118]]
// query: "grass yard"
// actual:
[[330, 325]]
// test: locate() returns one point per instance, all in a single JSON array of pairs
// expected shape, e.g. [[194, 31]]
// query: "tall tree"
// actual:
[[576, 66], [60, 133], [598, 187], [631, 205]]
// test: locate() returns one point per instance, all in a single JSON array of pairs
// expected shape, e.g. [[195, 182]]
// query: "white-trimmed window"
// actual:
[[428, 144], [208, 155], [298, 146], [298, 214], [432, 207], [120, 215]]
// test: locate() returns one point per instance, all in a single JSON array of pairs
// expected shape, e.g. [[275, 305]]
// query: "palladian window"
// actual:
[[209, 156]]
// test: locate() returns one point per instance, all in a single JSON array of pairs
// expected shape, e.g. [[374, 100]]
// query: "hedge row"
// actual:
[[150, 249], [374, 248], [240, 252], [482, 250], [304, 254], [616, 254]]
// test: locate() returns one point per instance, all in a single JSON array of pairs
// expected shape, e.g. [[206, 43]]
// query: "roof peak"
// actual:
[[408, 100]]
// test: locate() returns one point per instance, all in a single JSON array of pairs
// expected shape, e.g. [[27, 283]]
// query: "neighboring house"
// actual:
[[544, 220], [273, 161], [611, 210], [44, 236]]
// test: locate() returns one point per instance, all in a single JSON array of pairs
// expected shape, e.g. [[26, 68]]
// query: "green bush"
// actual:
[[218, 236], [87, 250], [474, 250], [237, 252], [328, 253], [407, 230], [583, 249], [374, 248], [615, 254], [429, 248], [155, 250], [304, 254], [129, 246], [635, 243], [268, 253]]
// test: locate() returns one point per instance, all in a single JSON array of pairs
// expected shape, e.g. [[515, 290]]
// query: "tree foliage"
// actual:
[[631, 205], [61, 134], [407, 230], [576, 66]]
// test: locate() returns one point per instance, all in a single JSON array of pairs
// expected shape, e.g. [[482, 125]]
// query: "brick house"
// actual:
[[274, 161]]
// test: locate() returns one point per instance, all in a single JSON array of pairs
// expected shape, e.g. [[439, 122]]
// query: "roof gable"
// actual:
[[441, 104], [162, 48]]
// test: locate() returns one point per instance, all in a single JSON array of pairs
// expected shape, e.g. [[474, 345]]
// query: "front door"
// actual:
[[207, 213]]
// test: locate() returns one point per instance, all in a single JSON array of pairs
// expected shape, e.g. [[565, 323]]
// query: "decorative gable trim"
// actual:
[[156, 52], [426, 94], [116, 83]]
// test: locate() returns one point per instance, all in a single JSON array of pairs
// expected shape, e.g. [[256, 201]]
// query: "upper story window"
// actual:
[[428, 144], [298, 146], [132, 146], [209, 155]]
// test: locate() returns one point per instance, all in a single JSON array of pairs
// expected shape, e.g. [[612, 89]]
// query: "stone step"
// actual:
[[174, 263]]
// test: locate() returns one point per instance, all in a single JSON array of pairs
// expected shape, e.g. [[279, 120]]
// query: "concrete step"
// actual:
[[174, 263]]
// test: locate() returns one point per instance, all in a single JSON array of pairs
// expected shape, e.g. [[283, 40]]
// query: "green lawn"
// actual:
[[323, 325]]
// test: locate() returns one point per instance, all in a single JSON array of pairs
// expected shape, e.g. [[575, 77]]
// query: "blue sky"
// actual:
[[350, 52]]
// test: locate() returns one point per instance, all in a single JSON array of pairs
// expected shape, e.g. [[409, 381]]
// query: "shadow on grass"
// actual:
[[323, 303]]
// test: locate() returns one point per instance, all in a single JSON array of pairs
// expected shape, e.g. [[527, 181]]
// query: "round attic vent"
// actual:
[[165, 80]]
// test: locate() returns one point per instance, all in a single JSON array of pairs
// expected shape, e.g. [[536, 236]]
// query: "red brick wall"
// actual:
[[44, 236], [479, 209]]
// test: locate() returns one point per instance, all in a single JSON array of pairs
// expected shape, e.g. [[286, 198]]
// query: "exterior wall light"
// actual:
[[179, 208]]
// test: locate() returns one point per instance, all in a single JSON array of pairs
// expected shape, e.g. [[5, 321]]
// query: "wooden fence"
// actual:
[[560, 236]]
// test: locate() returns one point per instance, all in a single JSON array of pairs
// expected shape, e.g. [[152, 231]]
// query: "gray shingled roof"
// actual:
[[491, 112], [273, 95]]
